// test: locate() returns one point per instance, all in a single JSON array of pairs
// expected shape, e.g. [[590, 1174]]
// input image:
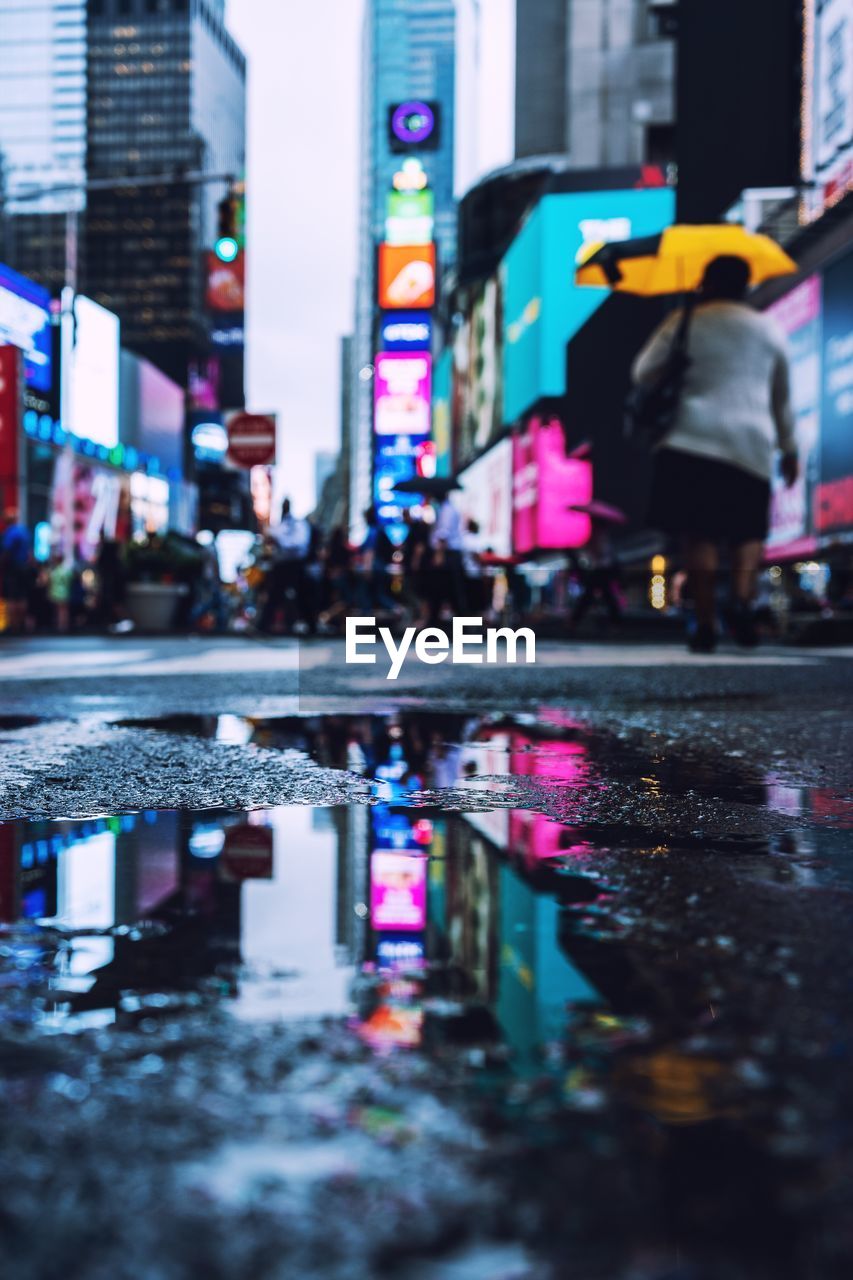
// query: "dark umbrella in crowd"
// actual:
[[429, 486]]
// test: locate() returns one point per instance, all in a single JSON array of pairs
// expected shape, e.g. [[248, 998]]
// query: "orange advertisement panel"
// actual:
[[406, 276], [226, 283]]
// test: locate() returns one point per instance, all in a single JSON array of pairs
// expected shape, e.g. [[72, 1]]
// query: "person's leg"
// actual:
[[702, 563], [746, 561]]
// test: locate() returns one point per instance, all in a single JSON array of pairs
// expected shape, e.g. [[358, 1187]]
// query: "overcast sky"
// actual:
[[304, 79]]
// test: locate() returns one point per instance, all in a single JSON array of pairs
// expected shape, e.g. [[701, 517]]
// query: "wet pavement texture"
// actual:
[[507, 994]]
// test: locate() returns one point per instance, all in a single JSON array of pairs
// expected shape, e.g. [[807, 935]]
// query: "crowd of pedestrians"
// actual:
[[314, 581]]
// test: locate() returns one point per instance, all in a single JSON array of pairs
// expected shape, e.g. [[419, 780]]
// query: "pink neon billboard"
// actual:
[[397, 891], [402, 390], [545, 484]]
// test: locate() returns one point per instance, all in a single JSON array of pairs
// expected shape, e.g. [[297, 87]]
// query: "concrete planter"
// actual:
[[151, 605]]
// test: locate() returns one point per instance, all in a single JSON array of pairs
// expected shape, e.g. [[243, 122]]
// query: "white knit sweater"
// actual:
[[735, 404]]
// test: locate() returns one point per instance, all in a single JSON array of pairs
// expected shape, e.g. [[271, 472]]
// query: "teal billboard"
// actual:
[[543, 309]]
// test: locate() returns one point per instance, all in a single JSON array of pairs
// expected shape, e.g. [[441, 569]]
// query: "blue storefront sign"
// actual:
[[406, 331], [25, 323]]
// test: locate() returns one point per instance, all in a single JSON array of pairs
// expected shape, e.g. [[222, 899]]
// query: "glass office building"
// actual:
[[167, 93], [408, 53], [42, 131]]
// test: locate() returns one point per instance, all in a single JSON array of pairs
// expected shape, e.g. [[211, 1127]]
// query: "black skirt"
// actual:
[[703, 498]]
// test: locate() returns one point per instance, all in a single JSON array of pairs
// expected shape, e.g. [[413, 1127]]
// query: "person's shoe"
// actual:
[[703, 640], [744, 630]]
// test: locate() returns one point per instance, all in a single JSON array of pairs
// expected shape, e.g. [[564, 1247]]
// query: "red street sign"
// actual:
[[251, 439], [247, 853]]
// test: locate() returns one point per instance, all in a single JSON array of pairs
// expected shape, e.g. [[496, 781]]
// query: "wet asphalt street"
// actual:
[[485, 972]]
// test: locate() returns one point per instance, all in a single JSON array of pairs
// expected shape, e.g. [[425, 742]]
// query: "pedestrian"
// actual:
[[417, 556], [712, 471], [60, 582], [111, 575], [447, 542], [338, 584], [377, 551], [14, 569], [599, 574], [475, 582], [290, 539]]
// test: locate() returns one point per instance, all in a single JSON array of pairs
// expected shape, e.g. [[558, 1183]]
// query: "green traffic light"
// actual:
[[226, 248]]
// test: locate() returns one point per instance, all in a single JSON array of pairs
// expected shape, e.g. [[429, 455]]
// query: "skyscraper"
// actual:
[[408, 54], [595, 81], [42, 131], [166, 94]]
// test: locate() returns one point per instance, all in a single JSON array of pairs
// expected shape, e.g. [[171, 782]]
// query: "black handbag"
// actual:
[[650, 410]]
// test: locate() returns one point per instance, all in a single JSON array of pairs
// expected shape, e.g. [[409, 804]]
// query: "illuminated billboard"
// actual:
[[90, 401], [25, 324], [397, 891], [406, 331], [413, 125], [542, 307], [402, 394], [487, 498], [410, 217], [545, 485], [226, 283], [798, 314], [827, 106], [834, 499], [406, 276]]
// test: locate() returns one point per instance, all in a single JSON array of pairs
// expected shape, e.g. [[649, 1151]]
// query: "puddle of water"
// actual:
[[283, 909], [414, 750]]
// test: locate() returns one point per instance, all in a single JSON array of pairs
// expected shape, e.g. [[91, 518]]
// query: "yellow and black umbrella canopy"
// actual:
[[674, 261]]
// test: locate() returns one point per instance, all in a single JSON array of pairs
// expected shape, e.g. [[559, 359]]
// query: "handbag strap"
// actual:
[[682, 333]]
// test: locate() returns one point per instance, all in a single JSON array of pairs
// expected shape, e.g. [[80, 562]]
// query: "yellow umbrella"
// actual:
[[674, 261]]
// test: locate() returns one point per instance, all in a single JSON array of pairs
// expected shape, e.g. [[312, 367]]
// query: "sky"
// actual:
[[302, 202], [302, 209]]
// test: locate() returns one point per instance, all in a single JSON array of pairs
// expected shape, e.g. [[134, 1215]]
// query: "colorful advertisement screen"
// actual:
[[546, 484], [834, 503], [397, 891], [402, 394], [542, 307], [487, 498], [406, 276], [25, 323], [91, 408], [798, 314], [407, 331]]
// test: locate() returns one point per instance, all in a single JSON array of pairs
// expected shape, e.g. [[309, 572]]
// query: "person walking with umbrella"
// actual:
[[711, 483], [714, 383]]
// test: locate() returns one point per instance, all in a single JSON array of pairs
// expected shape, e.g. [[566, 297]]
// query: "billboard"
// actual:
[[413, 125], [152, 411], [10, 422], [410, 217], [798, 314], [487, 498], [402, 394], [542, 307], [406, 276], [827, 116], [442, 393], [545, 484], [226, 283], [398, 458], [397, 891], [25, 324], [90, 401], [834, 499], [480, 371], [406, 331]]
